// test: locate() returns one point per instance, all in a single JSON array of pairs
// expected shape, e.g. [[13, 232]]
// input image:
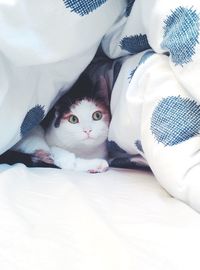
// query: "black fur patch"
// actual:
[[12, 157], [82, 89]]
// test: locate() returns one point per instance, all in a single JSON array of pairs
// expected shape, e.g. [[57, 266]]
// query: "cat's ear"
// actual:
[[50, 118], [102, 90]]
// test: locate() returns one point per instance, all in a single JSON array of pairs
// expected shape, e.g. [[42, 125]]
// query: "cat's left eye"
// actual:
[[73, 119], [97, 115]]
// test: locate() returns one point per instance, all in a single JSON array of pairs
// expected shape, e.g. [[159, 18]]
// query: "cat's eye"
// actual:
[[97, 115], [73, 119]]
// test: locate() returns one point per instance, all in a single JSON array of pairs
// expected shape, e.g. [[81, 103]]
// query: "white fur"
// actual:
[[33, 142], [72, 137], [69, 144], [67, 160]]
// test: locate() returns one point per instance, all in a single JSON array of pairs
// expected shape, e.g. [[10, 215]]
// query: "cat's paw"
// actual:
[[63, 158], [98, 166], [41, 155]]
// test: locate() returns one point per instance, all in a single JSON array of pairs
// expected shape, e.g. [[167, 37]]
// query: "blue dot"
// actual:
[[32, 119], [138, 144], [83, 7], [129, 7], [175, 120], [181, 33], [135, 44]]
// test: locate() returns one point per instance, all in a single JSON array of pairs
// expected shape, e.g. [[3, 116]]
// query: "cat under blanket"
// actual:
[[73, 134]]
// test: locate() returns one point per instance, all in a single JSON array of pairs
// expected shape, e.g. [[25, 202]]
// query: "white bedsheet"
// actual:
[[118, 220]]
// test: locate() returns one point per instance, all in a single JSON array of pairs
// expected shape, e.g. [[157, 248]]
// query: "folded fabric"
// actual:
[[44, 46], [155, 101]]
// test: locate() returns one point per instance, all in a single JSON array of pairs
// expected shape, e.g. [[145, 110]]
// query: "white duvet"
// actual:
[[118, 220]]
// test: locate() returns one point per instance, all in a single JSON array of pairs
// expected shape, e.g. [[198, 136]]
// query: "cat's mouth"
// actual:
[[88, 138]]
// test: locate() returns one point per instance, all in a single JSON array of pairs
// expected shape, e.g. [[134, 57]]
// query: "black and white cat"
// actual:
[[74, 133]]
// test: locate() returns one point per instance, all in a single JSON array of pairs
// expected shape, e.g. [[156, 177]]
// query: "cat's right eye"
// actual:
[[73, 119]]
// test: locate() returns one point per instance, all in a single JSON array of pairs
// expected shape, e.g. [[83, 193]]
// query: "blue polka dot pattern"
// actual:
[[129, 7], [83, 7], [135, 44], [138, 144], [32, 119], [175, 120], [181, 33]]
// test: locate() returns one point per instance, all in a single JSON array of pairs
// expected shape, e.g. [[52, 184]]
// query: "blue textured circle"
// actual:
[[83, 7], [138, 144], [32, 119], [181, 33], [129, 7], [175, 120], [135, 44]]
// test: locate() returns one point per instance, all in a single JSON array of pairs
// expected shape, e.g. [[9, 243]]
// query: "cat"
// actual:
[[73, 135]]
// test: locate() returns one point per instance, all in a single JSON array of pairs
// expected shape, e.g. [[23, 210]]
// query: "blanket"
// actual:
[[155, 101]]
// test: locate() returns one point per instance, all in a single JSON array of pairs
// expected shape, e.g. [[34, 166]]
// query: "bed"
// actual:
[[55, 219], [121, 219]]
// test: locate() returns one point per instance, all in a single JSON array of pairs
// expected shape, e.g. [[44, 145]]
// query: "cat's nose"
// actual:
[[87, 131]]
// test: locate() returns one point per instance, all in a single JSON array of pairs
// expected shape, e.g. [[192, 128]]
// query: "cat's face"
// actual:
[[86, 124]]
